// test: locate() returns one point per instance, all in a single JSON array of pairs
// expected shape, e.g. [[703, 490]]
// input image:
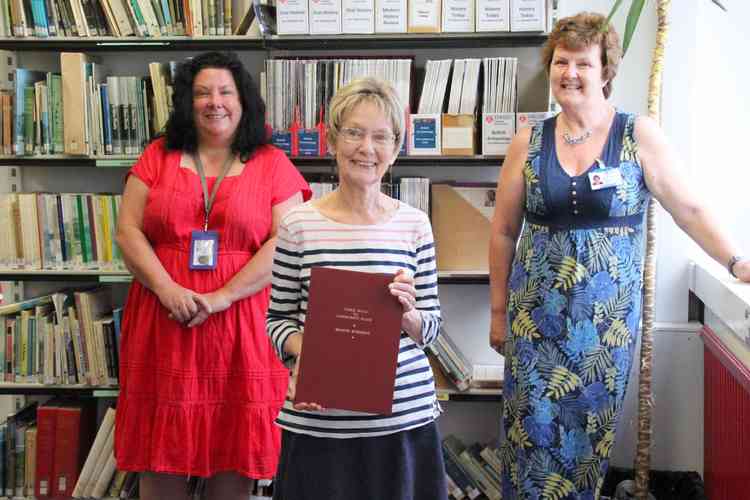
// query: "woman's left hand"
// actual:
[[209, 303], [742, 270], [402, 287]]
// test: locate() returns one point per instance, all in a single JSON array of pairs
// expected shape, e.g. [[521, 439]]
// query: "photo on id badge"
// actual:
[[604, 177], [204, 249]]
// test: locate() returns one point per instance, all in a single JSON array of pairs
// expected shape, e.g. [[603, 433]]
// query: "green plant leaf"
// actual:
[[633, 15], [612, 12]]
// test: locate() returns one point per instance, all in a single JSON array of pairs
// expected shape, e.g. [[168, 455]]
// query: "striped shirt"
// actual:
[[307, 239]]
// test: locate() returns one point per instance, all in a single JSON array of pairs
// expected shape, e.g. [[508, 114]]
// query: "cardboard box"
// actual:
[[308, 141], [459, 135], [292, 17], [497, 132], [528, 15], [461, 216], [424, 16], [358, 16], [425, 134], [529, 119], [325, 17], [390, 16], [458, 16], [282, 139], [493, 15]]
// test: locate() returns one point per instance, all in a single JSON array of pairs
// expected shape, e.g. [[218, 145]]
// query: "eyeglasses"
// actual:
[[379, 138]]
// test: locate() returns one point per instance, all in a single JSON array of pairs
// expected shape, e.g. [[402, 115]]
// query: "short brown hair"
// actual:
[[582, 31]]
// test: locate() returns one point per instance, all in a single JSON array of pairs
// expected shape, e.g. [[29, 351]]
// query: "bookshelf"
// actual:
[[19, 388], [126, 277], [126, 161], [276, 42], [473, 414]]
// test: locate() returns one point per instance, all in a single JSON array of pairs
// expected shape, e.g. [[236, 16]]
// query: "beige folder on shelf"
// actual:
[[461, 217], [75, 109]]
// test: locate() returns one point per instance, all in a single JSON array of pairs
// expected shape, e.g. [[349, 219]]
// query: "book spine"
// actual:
[[20, 461], [40, 18], [45, 453], [106, 118]]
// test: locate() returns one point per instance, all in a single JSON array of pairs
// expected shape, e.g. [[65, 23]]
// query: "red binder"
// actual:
[[351, 339], [46, 418], [76, 425]]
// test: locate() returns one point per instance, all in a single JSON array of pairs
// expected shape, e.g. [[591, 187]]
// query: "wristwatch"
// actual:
[[730, 265]]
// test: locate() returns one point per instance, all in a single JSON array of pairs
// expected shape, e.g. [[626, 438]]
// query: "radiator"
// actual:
[[727, 422]]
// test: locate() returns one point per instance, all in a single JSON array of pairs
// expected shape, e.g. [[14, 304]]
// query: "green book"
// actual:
[[82, 227], [56, 113], [116, 255], [28, 119]]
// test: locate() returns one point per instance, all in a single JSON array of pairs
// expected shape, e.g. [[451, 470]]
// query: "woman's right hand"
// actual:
[[498, 331], [179, 301]]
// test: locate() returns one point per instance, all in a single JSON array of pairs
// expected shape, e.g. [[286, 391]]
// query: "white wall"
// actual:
[[720, 114]]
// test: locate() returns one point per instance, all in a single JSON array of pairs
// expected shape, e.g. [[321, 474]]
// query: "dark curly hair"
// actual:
[[180, 131], [582, 31]]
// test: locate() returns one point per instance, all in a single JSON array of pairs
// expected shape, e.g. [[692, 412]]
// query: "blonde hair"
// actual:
[[582, 31], [372, 90]]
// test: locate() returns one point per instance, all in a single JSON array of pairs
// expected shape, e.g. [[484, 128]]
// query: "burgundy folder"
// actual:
[[351, 339]]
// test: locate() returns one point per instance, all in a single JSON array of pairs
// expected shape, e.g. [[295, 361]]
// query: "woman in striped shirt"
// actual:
[[336, 454]]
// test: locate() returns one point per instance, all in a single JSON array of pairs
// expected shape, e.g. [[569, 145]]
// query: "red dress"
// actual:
[[197, 401]]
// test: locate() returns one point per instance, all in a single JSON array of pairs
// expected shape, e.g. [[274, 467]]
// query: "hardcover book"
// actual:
[[351, 339]]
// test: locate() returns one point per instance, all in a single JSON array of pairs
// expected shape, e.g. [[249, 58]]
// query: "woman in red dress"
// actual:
[[200, 384]]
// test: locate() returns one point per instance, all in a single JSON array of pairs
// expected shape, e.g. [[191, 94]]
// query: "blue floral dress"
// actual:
[[574, 305]]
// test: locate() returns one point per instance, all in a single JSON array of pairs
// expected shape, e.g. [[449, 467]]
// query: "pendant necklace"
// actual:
[[575, 140]]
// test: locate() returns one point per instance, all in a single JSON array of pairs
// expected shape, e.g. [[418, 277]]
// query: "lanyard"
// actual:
[[208, 201]]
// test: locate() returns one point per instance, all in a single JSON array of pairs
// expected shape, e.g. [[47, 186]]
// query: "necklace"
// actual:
[[574, 141]]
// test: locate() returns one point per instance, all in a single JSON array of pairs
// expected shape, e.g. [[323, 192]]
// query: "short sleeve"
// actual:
[[147, 168], [287, 180]]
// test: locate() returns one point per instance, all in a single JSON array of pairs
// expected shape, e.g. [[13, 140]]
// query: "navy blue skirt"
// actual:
[[406, 465]]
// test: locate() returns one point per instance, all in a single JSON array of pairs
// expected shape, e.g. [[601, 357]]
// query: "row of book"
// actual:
[[64, 338], [472, 472], [297, 93], [80, 111], [44, 447], [120, 18], [333, 17], [414, 191], [497, 94], [99, 477], [60, 231]]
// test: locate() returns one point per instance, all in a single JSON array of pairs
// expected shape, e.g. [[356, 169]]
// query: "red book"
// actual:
[[46, 417], [351, 338], [74, 434]]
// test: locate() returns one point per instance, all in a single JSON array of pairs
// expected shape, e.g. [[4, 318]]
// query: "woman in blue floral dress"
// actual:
[[566, 267]]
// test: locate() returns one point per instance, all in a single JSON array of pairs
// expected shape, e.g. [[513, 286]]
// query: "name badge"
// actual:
[[204, 249], [605, 178]]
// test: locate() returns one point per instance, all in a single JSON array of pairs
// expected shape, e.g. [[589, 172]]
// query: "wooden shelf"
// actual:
[[277, 42], [133, 44], [405, 41], [47, 275], [470, 395], [453, 278], [126, 161], [125, 276], [17, 388]]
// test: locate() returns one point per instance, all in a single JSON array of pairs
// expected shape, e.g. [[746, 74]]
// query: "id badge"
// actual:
[[605, 178], [204, 249]]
